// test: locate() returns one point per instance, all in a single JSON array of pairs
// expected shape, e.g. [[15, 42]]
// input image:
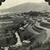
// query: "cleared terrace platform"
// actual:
[[45, 24]]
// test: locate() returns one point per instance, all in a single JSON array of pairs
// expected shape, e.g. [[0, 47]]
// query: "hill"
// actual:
[[28, 7]]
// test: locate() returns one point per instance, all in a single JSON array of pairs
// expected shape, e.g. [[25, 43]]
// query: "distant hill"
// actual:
[[28, 7]]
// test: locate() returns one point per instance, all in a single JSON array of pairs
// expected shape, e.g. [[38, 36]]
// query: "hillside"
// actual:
[[28, 7]]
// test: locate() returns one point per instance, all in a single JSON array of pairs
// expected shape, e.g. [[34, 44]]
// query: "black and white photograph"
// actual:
[[24, 24]]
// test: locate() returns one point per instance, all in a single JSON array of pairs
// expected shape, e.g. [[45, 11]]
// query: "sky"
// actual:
[[11, 3]]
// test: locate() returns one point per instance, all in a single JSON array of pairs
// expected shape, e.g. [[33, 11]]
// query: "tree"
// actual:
[[25, 37], [6, 31], [31, 48]]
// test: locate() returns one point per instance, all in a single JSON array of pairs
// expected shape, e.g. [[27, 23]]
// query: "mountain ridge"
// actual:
[[28, 7]]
